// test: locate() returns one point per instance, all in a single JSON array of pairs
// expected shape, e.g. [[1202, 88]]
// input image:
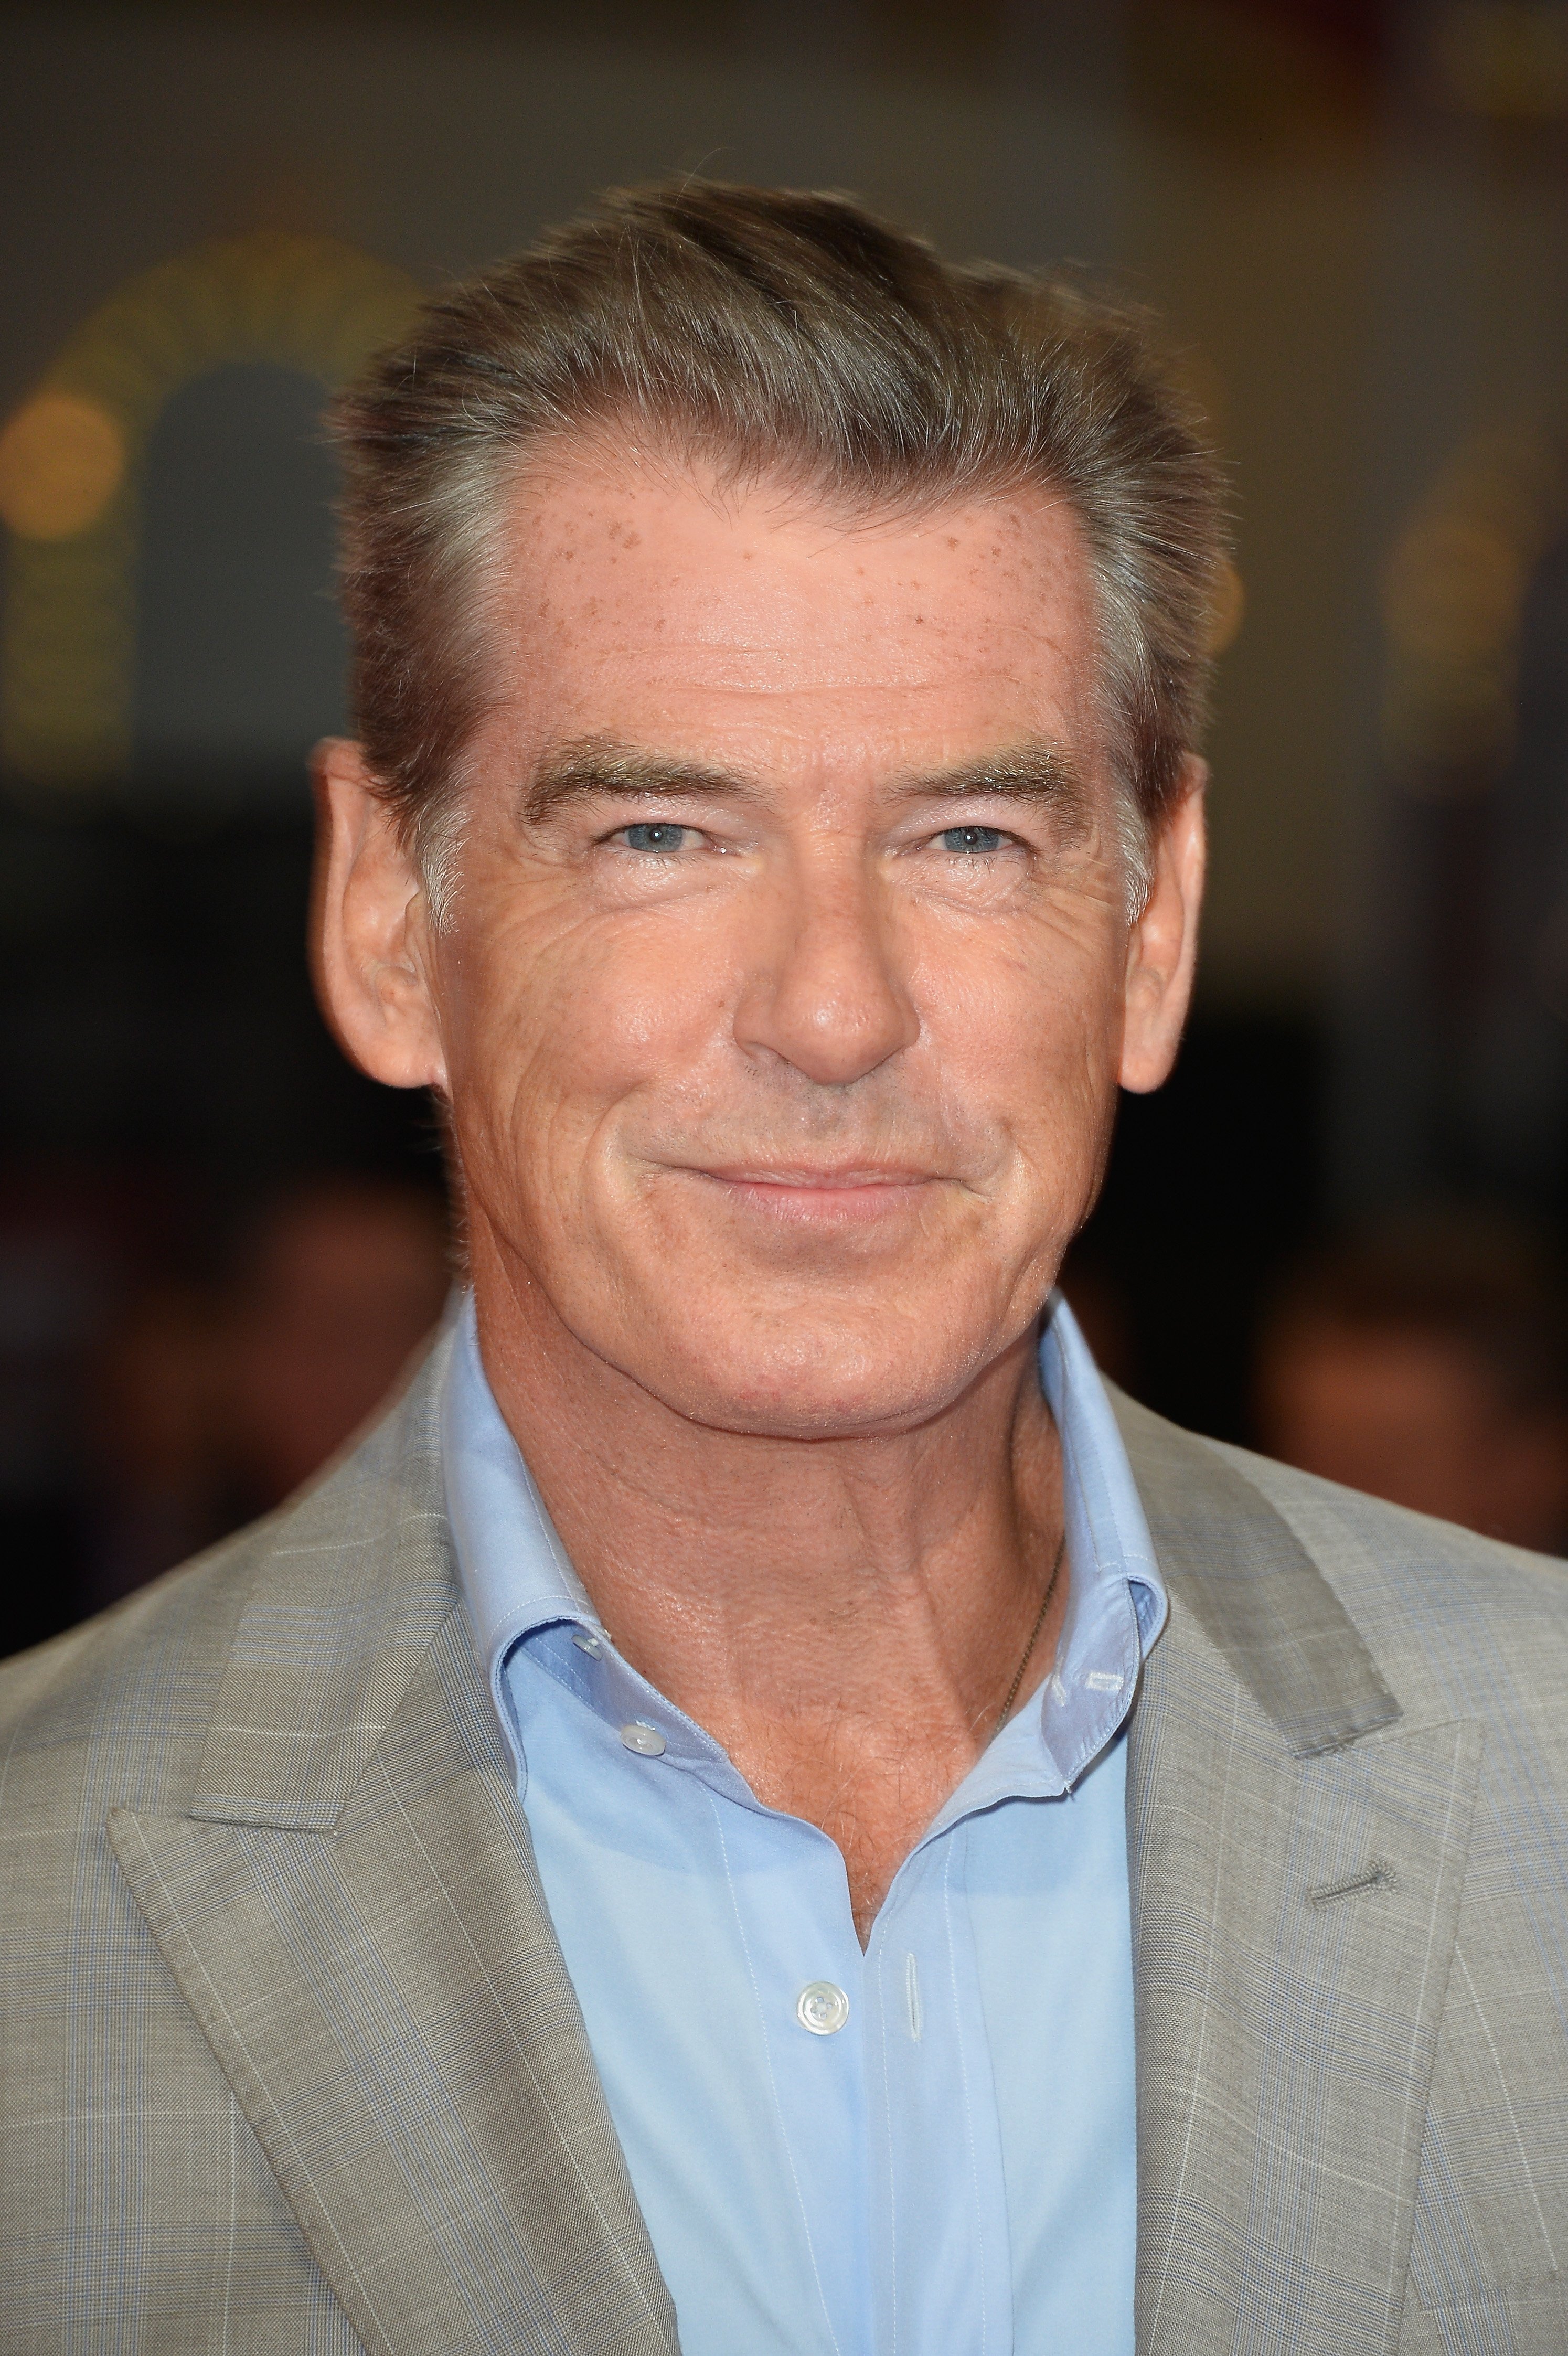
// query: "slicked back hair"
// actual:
[[766, 332]]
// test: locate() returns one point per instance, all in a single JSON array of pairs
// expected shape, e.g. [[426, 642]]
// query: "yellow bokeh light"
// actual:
[[62, 458], [70, 467]]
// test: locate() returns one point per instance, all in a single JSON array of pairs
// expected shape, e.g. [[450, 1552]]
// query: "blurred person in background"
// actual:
[[337, 1284], [209, 1403], [1426, 1362], [154, 1472], [105, 1381]]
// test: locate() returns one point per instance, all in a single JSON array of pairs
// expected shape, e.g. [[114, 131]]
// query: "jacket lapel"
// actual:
[[353, 1911], [350, 1907], [1297, 1855]]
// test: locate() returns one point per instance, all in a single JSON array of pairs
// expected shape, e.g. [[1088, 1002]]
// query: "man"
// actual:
[[755, 1807]]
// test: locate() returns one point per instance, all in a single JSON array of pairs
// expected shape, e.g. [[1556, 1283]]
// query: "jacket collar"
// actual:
[[352, 1909], [1254, 1591], [347, 1591]]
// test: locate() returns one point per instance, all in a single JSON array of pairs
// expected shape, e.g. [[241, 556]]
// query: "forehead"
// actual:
[[648, 601]]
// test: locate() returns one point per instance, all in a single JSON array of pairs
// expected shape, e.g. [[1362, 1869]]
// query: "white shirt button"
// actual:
[[646, 1740], [586, 1644], [821, 2007]]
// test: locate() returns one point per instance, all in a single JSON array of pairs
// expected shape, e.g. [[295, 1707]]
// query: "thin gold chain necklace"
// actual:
[[1034, 1633]]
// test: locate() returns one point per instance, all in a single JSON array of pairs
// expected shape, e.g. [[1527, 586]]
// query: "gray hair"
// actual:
[[768, 331]]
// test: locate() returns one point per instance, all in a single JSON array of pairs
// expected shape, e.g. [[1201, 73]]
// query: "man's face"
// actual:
[[783, 1000]]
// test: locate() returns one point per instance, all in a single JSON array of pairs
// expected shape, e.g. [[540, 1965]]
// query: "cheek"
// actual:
[[557, 1018], [1031, 1027]]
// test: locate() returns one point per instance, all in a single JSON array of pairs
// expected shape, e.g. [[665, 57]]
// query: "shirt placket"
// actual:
[[788, 1888], [940, 2257]]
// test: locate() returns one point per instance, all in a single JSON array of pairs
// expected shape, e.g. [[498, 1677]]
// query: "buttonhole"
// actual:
[[912, 1997], [1376, 1876]]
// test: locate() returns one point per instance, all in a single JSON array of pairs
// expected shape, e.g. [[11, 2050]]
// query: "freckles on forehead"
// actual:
[[627, 597]]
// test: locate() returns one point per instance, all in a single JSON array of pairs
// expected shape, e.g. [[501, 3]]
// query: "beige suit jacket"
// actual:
[[291, 2060]]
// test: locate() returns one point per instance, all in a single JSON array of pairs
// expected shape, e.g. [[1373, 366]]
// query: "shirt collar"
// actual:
[[516, 1573], [1107, 1534], [517, 1576]]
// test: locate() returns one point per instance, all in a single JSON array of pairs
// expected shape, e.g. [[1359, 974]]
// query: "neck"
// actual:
[[846, 1616]]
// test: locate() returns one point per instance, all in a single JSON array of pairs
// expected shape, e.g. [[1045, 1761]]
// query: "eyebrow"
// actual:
[[595, 766], [598, 765], [1040, 774]]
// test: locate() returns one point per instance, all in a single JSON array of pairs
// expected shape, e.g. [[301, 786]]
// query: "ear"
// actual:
[[1162, 947], [370, 929]]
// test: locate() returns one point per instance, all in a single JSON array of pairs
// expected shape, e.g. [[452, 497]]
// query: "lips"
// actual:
[[821, 1178], [814, 1194]]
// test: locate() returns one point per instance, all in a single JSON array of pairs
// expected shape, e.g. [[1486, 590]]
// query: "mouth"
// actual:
[[823, 1194]]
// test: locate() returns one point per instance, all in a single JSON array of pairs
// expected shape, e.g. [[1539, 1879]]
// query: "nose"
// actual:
[[822, 993]]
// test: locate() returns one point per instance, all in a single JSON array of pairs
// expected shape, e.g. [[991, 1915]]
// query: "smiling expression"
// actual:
[[782, 1001]]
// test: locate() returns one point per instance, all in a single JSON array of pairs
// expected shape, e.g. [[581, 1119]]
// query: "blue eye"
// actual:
[[654, 834], [972, 838]]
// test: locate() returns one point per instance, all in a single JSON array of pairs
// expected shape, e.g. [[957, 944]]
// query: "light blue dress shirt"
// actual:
[[926, 2148]]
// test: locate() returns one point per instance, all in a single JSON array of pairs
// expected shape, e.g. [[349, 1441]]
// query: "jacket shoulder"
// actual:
[[137, 1674], [1442, 1568], [115, 1713], [1458, 1625]]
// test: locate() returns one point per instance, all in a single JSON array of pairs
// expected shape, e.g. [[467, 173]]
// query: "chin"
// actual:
[[812, 1386]]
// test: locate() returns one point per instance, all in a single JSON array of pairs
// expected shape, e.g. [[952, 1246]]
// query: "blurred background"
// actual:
[[1334, 1234]]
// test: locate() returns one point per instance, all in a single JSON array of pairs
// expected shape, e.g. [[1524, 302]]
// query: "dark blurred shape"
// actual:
[[230, 653], [1098, 1299], [154, 1439], [339, 1281], [1215, 1183], [72, 1237], [157, 1390], [1426, 1362], [1454, 1066]]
